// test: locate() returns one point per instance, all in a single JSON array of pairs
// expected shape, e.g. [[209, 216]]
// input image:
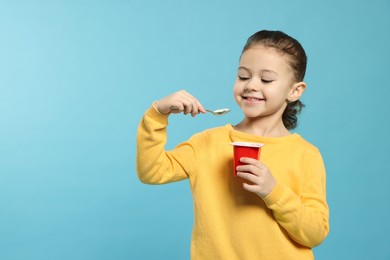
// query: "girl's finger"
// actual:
[[200, 107], [248, 160], [193, 107], [249, 168], [248, 176], [187, 109]]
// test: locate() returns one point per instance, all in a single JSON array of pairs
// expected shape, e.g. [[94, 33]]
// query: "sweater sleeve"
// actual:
[[304, 217], [154, 164]]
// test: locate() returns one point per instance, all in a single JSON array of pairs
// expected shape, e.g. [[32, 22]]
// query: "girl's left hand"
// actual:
[[259, 177]]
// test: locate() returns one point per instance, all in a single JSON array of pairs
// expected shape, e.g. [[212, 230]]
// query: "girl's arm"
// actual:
[[154, 164], [305, 217]]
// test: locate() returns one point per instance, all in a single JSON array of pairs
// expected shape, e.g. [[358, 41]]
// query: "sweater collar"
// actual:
[[238, 136]]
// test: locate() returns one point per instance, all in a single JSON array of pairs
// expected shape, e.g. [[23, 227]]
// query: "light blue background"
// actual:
[[76, 77]]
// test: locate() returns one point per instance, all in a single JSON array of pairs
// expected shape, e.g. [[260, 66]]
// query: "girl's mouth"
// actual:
[[253, 99]]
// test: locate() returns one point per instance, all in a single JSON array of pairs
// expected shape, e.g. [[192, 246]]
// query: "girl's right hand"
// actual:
[[180, 102]]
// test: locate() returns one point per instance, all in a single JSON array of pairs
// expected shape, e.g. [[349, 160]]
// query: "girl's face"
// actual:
[[264, 82]]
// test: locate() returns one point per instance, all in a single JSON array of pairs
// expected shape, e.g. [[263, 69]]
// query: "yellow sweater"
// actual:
[[230, 222]]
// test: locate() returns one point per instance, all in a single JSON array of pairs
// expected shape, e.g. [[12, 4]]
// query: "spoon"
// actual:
[[217, 112]]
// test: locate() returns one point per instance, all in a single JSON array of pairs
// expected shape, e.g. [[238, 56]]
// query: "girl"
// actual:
[[275, 208]]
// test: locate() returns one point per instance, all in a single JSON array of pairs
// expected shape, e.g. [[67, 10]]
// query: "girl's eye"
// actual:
[[265, 81], [243, 78]]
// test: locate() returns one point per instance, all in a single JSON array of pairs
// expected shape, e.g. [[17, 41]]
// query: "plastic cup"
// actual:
[[245, 149]]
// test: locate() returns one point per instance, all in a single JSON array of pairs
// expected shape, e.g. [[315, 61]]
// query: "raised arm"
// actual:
[[154, 164]]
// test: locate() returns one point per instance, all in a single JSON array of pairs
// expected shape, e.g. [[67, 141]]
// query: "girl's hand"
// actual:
[[259, 177], [179, 102]]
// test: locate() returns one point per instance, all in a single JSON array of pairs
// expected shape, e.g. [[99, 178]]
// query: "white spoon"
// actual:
[[217, 112]]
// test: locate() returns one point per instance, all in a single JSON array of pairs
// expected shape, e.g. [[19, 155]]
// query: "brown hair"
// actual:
[[297, 59]]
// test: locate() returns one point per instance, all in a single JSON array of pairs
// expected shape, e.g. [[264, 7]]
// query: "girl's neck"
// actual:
[[260, 127]]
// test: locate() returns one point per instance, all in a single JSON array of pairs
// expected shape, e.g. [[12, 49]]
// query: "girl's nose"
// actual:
[[252, 85]]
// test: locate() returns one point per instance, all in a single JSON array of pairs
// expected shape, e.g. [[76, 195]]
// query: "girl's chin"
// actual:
[[251, 114]]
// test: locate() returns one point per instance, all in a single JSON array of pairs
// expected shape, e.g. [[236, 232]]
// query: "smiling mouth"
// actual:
[[253, 99]]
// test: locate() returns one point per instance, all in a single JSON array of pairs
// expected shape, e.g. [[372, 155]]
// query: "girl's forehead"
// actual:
[[261, 50], [260, 55]]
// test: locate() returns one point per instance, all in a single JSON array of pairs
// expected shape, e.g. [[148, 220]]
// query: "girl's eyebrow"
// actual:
[[244, 68], [266, 70]]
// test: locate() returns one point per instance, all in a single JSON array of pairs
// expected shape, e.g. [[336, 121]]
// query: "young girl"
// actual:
[[276, 206]]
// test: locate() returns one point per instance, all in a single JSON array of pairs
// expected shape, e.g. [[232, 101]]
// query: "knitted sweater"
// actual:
[[230, 222]]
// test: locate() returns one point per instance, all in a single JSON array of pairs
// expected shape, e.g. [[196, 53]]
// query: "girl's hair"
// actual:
[[297, 59]]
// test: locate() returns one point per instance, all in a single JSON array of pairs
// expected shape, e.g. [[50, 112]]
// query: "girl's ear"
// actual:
[[296, 91]]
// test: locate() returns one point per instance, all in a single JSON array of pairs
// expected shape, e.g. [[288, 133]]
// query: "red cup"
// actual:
[[245, 149]]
